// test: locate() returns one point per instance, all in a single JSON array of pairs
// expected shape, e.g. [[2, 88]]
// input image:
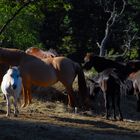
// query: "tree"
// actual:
[[23, 31]]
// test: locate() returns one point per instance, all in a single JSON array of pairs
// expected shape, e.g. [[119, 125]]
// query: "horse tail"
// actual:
[[83, 92]]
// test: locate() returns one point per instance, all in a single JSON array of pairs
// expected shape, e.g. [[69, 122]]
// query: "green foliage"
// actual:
[[23, 32], [68, 25], [133, 54]]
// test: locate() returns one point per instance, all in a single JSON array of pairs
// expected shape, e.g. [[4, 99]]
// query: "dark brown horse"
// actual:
[[123, 70], [110, 84], [45, 72], [102, 63]]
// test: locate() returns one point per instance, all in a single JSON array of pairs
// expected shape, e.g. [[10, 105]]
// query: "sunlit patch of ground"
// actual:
[[48, 118]]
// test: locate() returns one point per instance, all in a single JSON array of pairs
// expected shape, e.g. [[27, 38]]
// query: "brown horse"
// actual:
[[45, 72], [40, 53], [135, 78]]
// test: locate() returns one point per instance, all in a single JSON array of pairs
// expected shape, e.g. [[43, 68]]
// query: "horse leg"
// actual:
[[8, 106], [71, 101], [15, 106], [29, 96], [113, 106], [24, 93], [138, 101], [118, 104], [106, 98]]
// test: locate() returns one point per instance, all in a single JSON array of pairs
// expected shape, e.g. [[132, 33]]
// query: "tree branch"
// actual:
[[114, 17]]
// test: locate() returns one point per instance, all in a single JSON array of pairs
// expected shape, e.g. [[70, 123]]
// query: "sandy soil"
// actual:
[[47, 118]]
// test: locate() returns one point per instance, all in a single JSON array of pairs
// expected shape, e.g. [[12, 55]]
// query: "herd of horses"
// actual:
[[45, 68]]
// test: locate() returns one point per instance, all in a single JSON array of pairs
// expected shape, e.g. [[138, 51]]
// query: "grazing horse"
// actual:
[[110, 84], [11, 86], [135, 78], [123, 70], [45, 72], [40, 53]]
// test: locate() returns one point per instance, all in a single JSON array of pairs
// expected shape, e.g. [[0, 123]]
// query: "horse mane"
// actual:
[[53, 51]]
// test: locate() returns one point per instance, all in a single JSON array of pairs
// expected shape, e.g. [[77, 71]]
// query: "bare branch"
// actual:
[[120, 55], [130, 37], [123, 8], [114, 17]]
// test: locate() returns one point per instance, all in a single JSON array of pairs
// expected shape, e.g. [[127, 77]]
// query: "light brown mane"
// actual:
[[37, 52]]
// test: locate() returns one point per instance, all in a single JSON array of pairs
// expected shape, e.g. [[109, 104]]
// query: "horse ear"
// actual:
[[10, 67]]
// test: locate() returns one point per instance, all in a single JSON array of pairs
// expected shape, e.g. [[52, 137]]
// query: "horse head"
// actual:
[[14, 74]]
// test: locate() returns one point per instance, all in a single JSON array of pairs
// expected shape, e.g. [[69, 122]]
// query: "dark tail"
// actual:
[[83, 92]]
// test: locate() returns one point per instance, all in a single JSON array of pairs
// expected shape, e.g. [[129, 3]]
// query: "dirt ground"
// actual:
[[47, 118]]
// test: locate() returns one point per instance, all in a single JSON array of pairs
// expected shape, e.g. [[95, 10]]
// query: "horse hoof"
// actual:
[[121, 119], [23, 105], [107, 118], [70, 109], [7, 115], [15, 115], [115, 119]]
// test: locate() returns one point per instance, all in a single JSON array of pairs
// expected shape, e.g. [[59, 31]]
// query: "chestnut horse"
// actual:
[[45, 72], [40, 53]]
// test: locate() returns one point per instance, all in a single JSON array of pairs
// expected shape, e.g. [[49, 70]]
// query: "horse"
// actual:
[[101, 63], [135, 79], [124, 69], [11, 85], [45, 72], [40, 53], [106, 80]]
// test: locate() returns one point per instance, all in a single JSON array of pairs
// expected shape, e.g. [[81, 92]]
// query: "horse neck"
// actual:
[[11, 57]]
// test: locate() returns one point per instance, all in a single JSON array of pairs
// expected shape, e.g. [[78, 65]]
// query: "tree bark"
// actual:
[[110, 22]]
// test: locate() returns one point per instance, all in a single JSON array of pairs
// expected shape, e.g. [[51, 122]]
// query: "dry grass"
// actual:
[[47, 118]]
